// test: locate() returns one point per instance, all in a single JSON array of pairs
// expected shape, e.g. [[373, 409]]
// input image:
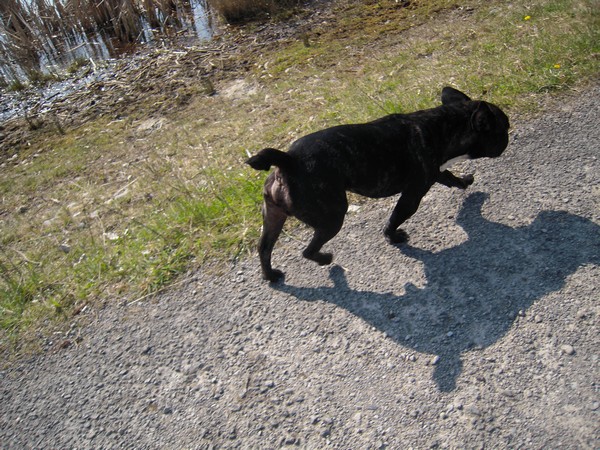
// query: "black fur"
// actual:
[[399, 153]]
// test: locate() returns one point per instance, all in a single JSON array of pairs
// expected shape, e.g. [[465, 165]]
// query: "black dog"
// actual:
[[404, 153]]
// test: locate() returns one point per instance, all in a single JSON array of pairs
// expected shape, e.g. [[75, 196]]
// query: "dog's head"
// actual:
[[488, 123]]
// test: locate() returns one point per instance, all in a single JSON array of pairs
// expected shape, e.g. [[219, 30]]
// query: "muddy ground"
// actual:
[[482, 332]]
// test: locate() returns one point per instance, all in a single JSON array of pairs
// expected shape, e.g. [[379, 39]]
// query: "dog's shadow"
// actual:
[[475, 290]]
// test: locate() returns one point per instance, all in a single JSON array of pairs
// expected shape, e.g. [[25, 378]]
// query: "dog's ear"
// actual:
[[451, 95], [482, 118]]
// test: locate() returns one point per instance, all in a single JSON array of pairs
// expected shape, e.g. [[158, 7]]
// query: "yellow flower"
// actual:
[[526, 17], [557, 66]]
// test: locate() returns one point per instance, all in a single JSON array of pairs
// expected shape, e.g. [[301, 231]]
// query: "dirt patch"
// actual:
[[239, 89]]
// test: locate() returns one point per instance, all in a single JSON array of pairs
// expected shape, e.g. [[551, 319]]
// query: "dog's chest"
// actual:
[[453, 161]]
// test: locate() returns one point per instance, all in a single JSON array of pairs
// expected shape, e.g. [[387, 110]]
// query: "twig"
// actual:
[[22, 255]]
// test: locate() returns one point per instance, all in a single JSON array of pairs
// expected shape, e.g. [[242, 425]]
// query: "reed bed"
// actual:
[[234, 11], [37, 35]]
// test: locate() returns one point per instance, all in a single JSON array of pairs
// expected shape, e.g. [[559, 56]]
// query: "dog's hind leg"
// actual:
[[321, 236], [327, 222], [274, 218]]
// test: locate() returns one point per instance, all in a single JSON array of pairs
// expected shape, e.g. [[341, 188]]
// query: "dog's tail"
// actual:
[[268, 157]]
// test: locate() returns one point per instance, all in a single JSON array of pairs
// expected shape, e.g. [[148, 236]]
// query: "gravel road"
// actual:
[[482, 332]]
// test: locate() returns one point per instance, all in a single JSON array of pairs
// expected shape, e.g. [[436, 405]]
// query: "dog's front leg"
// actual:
[[407, 205], [448, 179]]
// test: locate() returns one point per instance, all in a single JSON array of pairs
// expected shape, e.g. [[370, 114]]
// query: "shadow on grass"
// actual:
[[475, 290]]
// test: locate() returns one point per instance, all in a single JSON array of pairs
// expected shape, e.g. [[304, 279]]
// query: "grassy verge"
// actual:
[[120, 209]]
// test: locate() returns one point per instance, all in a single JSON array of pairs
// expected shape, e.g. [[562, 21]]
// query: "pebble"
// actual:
[[474, 410], [567, 349], [435, 360]]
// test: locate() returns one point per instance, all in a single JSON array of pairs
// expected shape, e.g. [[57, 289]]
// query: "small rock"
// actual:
[[289, 440], [232, 434], [474, 410], [328, 421], [64, 248], [594, 406], [508, 393], [435, 360], [567, 349], [111, 236], [537, 319]]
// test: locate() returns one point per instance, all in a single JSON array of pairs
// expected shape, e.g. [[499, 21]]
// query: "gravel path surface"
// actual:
[[482, 332]]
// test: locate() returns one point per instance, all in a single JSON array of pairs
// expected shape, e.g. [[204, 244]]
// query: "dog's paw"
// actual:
[[467, 181], [397, 237], [321, 259], [273, 275], [324, 259]]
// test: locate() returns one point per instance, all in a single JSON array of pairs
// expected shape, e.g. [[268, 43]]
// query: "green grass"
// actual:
[[109, 211]]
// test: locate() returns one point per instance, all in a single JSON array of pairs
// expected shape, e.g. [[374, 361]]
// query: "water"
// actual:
[[52, 46]]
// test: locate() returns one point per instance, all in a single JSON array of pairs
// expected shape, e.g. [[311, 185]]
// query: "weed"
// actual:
[[77, 64], [16, 85]]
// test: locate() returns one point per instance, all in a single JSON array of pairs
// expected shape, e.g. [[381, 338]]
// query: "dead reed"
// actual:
[[234, 11], [36, 33]]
